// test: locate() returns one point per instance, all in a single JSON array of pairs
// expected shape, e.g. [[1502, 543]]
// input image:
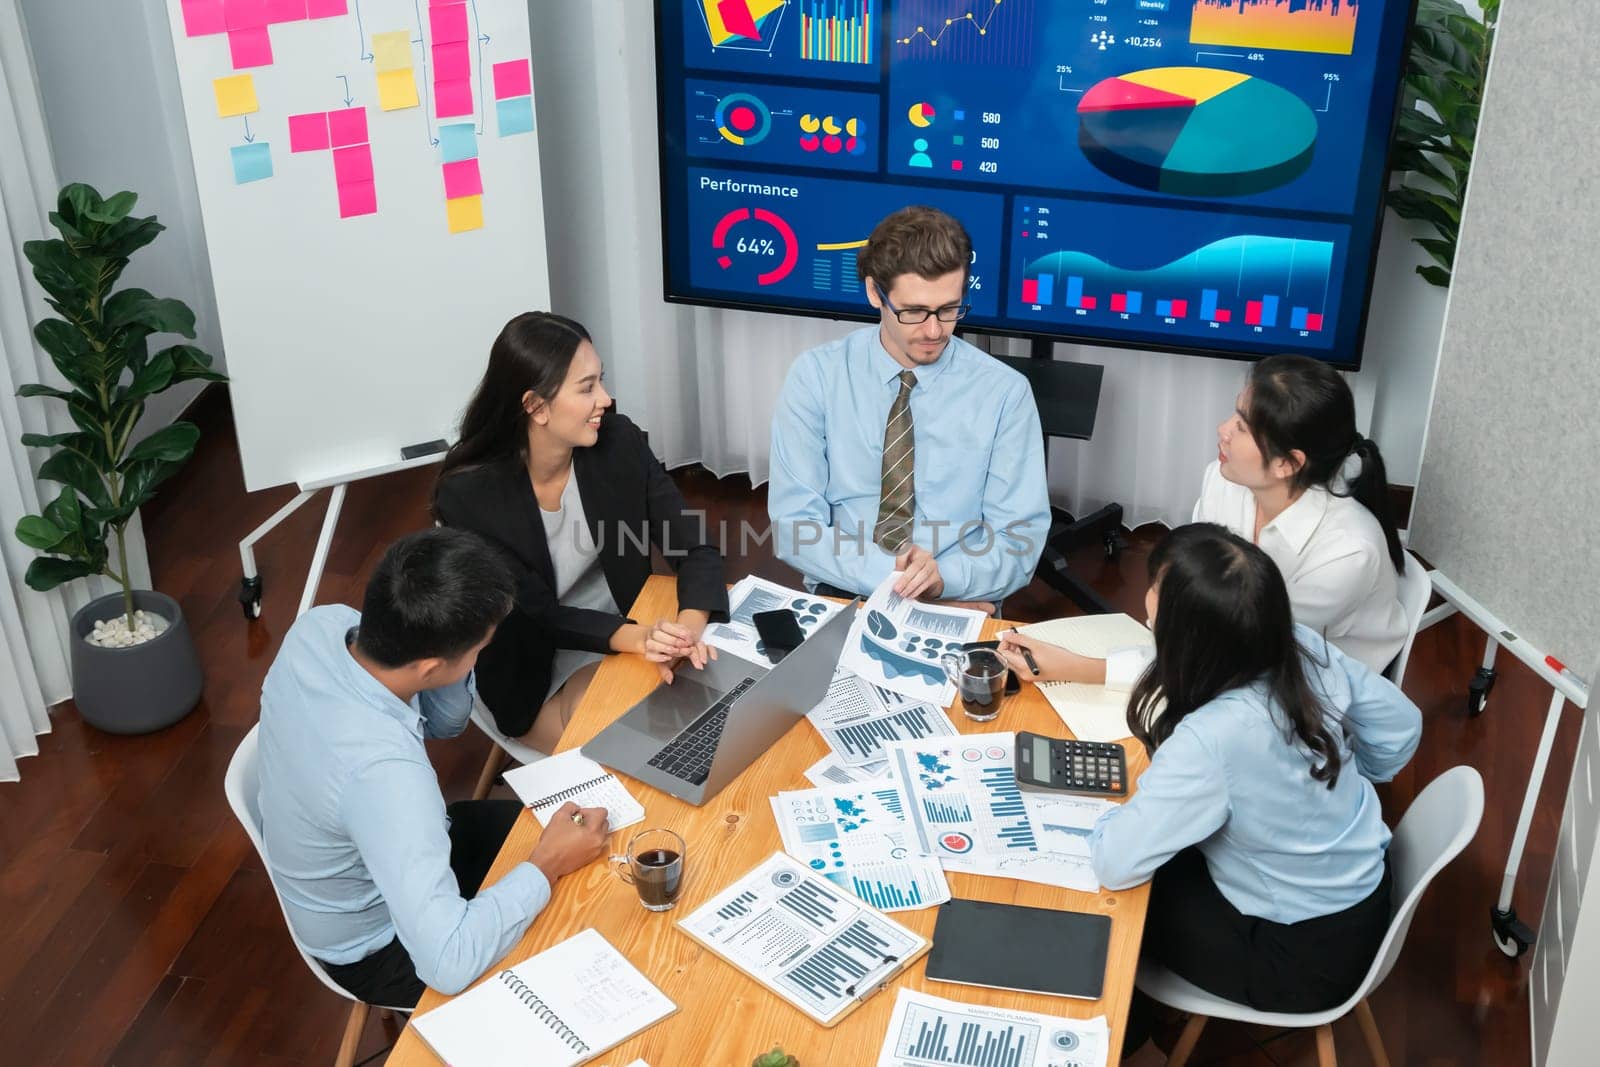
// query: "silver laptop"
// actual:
[[693, 737]]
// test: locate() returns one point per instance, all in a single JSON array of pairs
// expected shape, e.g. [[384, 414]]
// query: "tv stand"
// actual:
[[1068, 397]]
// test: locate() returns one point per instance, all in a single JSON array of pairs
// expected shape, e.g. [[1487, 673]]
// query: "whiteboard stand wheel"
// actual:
[[1478, 690], [1511, 936], [1113, 544], [250, 598]]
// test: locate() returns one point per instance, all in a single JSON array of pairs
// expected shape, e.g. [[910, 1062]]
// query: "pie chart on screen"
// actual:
[[1196, 131], [921, 115]]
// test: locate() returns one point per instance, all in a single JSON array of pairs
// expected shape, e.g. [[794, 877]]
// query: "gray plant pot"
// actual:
[[140, 689]]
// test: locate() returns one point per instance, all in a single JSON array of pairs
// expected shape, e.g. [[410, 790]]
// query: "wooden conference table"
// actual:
[[725, 1018]]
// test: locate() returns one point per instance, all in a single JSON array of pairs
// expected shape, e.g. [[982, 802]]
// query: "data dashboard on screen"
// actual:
[[1194, 175]]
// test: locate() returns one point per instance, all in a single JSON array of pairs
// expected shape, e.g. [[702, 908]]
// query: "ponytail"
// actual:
[[1370, 488]]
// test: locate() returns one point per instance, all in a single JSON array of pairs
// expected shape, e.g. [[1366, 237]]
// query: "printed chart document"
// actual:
[[831, 770], [1091, 712], [896, 643], [1062, 822], [858, 839], [801, 936], [560, 1008], [927, 1031], [858, 718], [550, 783], [751, 595], [963, 802]]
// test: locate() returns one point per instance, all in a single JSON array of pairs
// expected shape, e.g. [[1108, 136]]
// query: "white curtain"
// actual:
[[34, 653]]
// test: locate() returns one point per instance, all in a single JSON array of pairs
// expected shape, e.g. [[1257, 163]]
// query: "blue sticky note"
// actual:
[[251, 162], [515, 115], [457, 141]]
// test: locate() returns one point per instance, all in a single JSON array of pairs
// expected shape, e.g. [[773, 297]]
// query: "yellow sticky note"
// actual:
[[465, 213], [391, 51], [397, 90], [236, 95]]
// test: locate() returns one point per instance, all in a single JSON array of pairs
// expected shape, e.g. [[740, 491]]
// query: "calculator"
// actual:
[[1054, 765]]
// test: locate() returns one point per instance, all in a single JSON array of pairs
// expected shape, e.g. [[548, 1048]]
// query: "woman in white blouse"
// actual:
[[1294, 476]]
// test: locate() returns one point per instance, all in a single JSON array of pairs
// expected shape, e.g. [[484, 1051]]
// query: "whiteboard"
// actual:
[[1508, 496], [348, 338]]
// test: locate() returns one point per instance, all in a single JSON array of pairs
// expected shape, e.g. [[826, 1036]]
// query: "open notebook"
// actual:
[[1091, 712], [560, 1008]]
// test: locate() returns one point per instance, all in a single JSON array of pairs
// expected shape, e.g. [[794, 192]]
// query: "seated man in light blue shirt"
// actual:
[[381, 881], [902, 447]]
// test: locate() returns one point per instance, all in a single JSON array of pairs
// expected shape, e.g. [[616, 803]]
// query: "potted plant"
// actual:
[[134, 667], [1446, 67]]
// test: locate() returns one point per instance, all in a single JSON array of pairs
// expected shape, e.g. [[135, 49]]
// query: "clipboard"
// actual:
[[847, 951]]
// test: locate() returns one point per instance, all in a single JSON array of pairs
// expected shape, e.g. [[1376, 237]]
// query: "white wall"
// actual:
[[109, 85]]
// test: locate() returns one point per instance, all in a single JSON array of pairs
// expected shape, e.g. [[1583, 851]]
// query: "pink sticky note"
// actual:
[[323, 9], [286, 11], [462, 178], [347, 126], [203, 17], [358, 198], [308, 133], [245, 14], [451, 61], [452, 98], [449, 23], [352, 165], [514, 78], [250, 48]]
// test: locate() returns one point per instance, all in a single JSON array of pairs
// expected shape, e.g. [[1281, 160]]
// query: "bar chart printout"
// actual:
[[928, 1031]]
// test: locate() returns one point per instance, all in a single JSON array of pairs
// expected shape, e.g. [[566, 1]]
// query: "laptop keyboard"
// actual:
[[688, 756]]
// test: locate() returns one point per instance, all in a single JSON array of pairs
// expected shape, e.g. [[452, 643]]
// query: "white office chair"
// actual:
[[1433, 832], [1415, 589], [243, 786], [504, 748]]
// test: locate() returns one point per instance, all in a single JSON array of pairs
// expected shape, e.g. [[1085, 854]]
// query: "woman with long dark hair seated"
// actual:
[[1294, 476], [571, 492], [1257, 816]]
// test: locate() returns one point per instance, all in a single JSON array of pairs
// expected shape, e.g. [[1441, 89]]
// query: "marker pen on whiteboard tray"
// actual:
[[1565, 671]]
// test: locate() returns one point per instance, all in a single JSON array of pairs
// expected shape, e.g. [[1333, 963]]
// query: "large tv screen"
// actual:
[[1192, 175]]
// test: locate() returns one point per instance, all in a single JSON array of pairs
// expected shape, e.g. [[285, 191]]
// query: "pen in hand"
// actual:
[[1027, 657]]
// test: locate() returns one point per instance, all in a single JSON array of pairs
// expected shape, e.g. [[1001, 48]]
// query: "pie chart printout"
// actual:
[[1196, 131]]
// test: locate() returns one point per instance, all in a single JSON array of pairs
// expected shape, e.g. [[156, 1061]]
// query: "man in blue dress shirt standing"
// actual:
[[902, 447], [380, 880]]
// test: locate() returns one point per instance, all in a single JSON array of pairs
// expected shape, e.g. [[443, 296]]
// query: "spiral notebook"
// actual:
[[563, 1007], [550, 783]]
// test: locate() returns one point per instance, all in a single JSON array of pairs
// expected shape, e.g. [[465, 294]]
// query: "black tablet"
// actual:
[[1031, 950]]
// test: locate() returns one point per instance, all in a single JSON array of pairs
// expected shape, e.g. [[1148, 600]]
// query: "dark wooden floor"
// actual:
[[137, 926]]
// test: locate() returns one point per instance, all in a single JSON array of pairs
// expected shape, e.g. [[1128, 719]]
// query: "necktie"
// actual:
[[898, 494]]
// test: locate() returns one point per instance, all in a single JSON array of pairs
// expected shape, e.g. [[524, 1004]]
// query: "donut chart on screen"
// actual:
[[1196, 131]]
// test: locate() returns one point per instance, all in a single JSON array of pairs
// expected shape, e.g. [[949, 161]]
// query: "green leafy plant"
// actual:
[[1445, 71], [100, 344], [776, 1058]]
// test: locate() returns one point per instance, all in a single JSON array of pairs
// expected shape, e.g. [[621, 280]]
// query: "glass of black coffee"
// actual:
[[653, 866], [980, 677]]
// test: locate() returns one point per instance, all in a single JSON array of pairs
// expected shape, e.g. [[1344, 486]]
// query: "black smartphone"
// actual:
[[1013, 683], [780, 632]]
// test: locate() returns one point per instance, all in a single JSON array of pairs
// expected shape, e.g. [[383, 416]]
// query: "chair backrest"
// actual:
[[1434, 830], [243, 786], [1415, 589], [484, 720]]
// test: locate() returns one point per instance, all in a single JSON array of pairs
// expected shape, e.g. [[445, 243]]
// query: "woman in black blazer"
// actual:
[[540, 447]]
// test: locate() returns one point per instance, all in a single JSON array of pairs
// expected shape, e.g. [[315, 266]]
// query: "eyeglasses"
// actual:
[[917, 316]]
